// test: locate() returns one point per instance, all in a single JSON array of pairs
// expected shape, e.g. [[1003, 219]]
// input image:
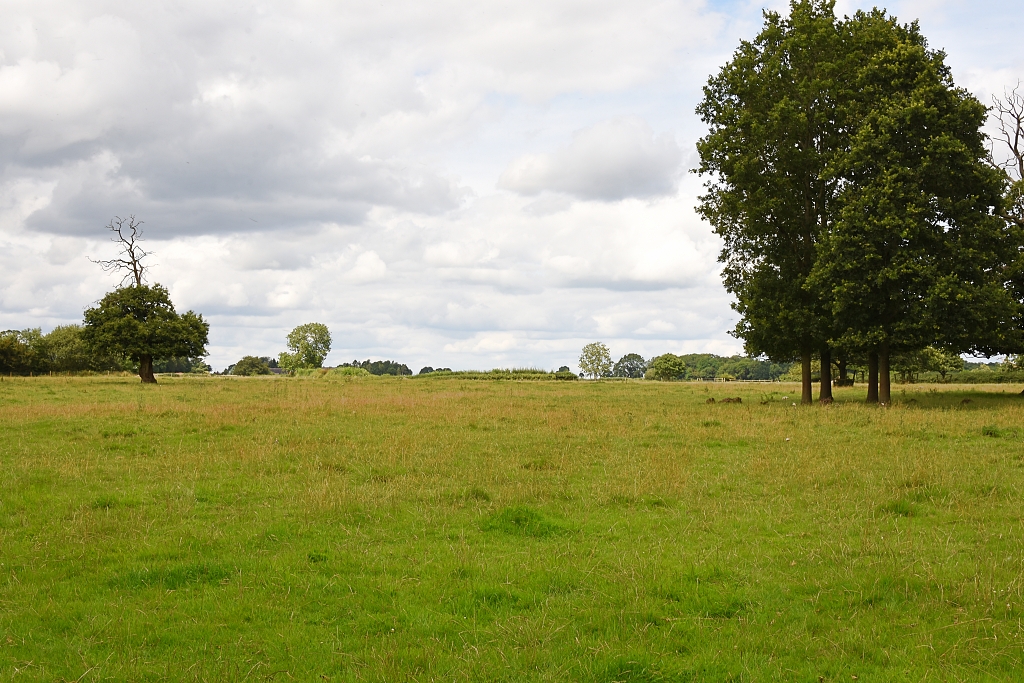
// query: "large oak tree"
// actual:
[[139, 322]]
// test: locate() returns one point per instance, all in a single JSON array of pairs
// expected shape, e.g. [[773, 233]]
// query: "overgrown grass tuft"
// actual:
[[522, 521]]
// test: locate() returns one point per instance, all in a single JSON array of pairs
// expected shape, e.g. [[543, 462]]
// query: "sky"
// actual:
[[455, 184]]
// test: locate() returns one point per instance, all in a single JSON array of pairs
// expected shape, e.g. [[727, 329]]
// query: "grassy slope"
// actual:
[[388, 529]]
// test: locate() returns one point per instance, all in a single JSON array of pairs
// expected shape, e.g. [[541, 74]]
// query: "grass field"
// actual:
[[386, 529]]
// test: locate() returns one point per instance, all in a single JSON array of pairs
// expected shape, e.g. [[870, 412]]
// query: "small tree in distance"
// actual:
[[309, 345], [596, 360], [249, 366], [631, 365], [667, 367]]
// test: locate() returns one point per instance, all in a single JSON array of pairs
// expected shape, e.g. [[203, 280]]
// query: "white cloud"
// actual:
[[609, 161], [369, 267], [318, 161], [656, 327]]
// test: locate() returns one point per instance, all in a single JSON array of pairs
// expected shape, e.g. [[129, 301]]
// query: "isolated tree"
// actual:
[[308, 346], [250, 366], [140, 323], [631, 365], [772, 120], [910, 258], [595, 360], [666, 367]]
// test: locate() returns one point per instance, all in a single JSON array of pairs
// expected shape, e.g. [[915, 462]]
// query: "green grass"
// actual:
[[385, 529]]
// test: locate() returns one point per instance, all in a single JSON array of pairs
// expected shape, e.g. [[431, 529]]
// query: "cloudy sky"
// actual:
[[452, 183]]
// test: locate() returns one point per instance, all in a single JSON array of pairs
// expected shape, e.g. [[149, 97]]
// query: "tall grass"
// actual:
[[384, 529]]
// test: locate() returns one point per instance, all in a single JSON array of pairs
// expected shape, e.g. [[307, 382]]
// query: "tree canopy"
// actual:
[[631, 365], [139, 322], [595, 360], [666, 367], [308, 346], [850, 182], [249, 366], [772, 135]]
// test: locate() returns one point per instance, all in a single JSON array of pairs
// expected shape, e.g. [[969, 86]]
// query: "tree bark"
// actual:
[[806, 396], [146, 370], [825, 390], [884, 380], [873, 377], [841, 363]]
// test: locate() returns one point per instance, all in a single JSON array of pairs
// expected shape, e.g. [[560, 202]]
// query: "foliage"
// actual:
[[140, 323], [426, 370], [21, 351], [294, 524], [771, 113], [914, 256], [942, 361], [249, 366], [348, 372], [850, 181], [181, 365], [62, 350], [666, 367], [382, 367], [631, 365], [518, 374], [595, 360], [308, 346]]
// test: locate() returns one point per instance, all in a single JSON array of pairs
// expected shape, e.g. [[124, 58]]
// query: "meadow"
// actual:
[[393, 529]]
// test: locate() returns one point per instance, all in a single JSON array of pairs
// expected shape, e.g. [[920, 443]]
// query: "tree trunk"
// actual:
[[825, 390], [873, 377], [805, 377], [146, 370], [884, 380], [841, 363]]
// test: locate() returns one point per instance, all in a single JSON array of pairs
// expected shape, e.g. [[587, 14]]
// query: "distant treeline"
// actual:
[[708, 366], [379, 367], [63, 350]]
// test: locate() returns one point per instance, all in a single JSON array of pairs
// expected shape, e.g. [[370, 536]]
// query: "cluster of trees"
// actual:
[[251, 366], [862, 214], [63, 349], [380, 367], [595, 361], [708, 366], [308, 346]]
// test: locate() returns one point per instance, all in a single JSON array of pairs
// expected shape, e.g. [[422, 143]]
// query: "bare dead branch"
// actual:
[[127, 232], [1009, 112]]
